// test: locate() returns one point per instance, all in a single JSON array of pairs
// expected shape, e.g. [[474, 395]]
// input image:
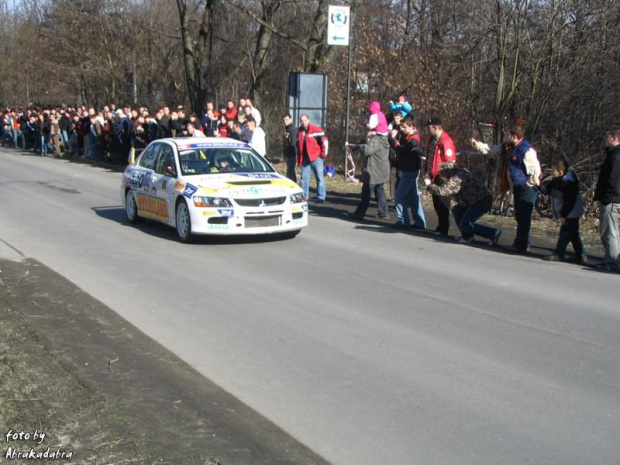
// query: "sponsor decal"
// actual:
[[136, 179], [153, 207], [253, 191], [146, 182], [304, 207], [179, 185], [226, 212], [189, 190], [208, 213], [207, 145], [259, 175], [220, 227], [283, 182]]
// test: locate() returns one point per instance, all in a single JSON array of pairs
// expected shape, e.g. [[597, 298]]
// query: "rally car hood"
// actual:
[[239, 184]]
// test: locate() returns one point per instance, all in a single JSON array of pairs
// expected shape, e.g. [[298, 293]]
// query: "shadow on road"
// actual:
[[154, 228]]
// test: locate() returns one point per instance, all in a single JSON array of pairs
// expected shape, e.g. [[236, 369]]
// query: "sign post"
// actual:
[[338, 31]]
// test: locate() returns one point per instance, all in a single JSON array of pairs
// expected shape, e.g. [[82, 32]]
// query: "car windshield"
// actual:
[[222, 160]]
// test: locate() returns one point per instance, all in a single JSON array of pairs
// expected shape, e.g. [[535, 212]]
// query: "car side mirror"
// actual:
[[170, 171]]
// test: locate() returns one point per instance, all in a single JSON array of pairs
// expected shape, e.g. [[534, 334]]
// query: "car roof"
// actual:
[[215, 142]]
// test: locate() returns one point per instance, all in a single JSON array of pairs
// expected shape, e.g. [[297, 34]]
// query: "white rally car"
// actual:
[[211, 186]]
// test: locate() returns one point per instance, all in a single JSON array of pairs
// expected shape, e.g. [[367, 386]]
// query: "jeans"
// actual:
[[569, 232], [608, 216], [408, 197], [524, 206], [18, 134], [64, 136], [379, 190], [466, 218], [45, 139], [89, 146], [317, 167]]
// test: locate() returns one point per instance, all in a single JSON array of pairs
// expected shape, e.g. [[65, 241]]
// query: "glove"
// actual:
[[427, 182]]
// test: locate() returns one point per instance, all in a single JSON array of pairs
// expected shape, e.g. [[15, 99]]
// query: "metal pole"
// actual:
[[346, 121]]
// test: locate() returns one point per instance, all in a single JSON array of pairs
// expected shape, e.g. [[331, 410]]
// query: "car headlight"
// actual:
[[213, 202], [298, 197]]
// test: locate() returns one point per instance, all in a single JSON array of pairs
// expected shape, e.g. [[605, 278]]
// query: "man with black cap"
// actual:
[[440, 149]]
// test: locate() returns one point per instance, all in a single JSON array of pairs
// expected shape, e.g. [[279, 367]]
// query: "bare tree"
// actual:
[[194, 50]]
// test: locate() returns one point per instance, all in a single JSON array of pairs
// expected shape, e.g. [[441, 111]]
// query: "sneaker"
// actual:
[[465, 240], [399, 225], [553, 258], [320, 200], [355, 216], [418, 227], [439, 234], [383, 217], [610, 267], [495, 239], [582, 260]]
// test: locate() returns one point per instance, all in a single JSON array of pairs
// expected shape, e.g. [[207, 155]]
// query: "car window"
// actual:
[[165, 159], [149, 156], [222, 160]]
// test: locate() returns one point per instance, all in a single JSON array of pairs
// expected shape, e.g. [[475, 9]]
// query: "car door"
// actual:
[[144, 185], [164, 178]]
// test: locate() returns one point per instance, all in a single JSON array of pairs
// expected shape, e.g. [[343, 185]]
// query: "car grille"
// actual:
[[261, 202], [262, 221]]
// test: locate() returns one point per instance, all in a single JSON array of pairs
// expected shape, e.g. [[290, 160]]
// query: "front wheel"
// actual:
[[131, 207], [183, 222]]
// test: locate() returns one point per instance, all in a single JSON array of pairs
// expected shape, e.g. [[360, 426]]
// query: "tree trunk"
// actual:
[[270, 8], [193, 56]]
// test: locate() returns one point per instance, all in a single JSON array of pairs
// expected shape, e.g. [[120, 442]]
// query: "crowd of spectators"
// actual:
[[112, 132]]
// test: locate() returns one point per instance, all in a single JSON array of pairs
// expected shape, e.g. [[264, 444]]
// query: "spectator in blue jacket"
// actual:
[[403, 106], [567, 203]]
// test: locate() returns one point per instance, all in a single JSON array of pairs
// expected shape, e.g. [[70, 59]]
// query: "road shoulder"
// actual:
[[100, 389]]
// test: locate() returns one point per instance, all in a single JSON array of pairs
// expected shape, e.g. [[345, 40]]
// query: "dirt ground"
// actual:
[[103, 393]]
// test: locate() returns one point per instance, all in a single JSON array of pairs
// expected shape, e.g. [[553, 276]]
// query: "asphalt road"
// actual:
[[366, 344]]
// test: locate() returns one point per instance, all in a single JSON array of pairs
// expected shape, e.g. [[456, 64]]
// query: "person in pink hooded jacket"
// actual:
[[377, 122]]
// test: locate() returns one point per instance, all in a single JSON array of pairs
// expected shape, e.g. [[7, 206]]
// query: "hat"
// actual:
[[433, 121], [119, 112]]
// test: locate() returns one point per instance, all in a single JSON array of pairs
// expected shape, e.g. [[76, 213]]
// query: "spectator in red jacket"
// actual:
[[310, 157], [440, 149], [231, 110]]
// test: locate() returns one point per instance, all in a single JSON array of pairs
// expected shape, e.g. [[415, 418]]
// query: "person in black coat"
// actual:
[[289, 147], [44, 129], [607, 193]]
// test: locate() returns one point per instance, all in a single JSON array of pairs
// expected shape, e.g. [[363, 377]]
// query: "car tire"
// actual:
[[131, 207], [183, 222]]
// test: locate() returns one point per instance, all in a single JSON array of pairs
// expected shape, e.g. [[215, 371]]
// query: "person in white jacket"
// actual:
[[257, 136]]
